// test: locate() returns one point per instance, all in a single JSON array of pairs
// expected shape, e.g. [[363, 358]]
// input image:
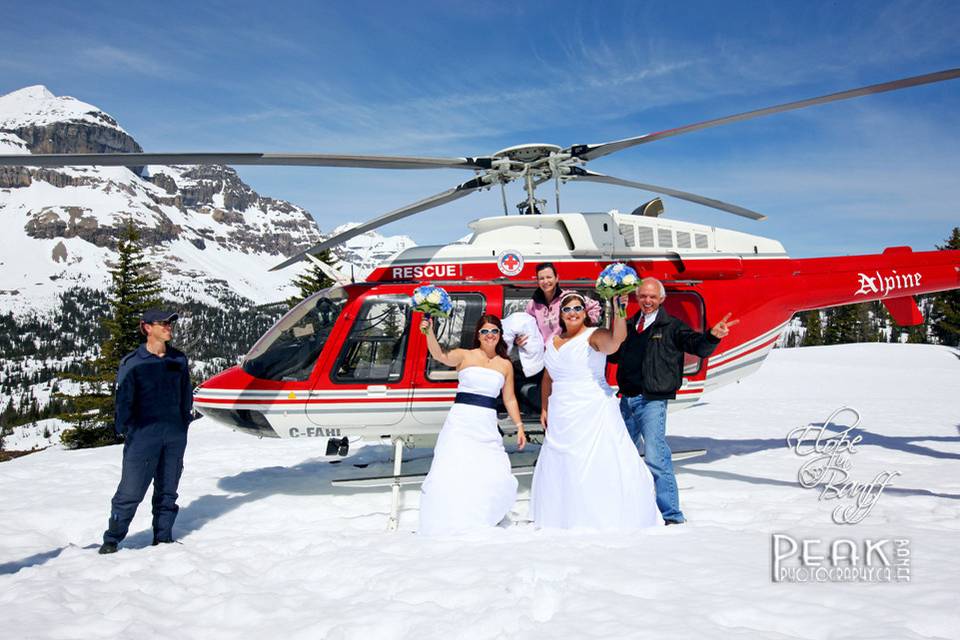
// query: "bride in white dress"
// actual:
[[470, 484], [589, 473]]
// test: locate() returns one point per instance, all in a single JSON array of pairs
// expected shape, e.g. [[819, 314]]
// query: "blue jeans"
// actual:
[[646, 422], [152, 453]]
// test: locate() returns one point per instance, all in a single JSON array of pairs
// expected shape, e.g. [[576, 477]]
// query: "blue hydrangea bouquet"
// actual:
[[617, 279], [431, 301]]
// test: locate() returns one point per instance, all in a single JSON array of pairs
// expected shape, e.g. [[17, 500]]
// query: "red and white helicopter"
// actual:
[[348, 362]]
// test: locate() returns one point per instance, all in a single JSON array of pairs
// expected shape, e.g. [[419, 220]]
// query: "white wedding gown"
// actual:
[[470, 484], [589, 473]]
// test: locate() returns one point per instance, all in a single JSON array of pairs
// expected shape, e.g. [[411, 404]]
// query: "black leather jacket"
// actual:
[[651, 363]]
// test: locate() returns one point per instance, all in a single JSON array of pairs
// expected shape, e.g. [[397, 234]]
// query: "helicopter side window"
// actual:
[[374, 350], [515, 299], [289, 350], [456, 331], [687, 306]]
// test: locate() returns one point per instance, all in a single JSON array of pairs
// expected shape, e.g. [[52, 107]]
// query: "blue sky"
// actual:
[[467, 78]]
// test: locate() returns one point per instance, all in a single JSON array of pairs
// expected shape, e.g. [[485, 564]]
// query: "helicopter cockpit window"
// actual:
[[289, 350], [375, 349], [456, 331]]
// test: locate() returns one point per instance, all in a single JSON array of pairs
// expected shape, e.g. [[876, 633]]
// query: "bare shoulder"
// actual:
[[504, 365], [467, 355]]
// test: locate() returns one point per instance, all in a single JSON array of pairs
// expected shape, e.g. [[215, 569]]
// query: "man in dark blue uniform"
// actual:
[[154, 404]]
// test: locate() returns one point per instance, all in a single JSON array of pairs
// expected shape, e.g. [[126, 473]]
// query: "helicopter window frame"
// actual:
[[692, 364], [354, 341], [290, 330], [437, 371]]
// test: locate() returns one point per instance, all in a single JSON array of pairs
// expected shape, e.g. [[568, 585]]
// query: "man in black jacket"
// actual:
[[649, 372]]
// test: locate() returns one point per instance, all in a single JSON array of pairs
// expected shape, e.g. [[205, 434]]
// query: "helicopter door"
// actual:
[[436, 384], [368, 381]]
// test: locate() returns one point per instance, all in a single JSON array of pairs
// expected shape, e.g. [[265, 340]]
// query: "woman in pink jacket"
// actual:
[[545, 305], [545, 308]]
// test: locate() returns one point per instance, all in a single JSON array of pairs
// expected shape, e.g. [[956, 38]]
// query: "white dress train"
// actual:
[[589, 473], [470, 484]]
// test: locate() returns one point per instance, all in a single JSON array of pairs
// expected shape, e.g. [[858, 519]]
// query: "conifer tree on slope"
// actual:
[[133, 290], [850, 323], [313, 279], [813, 336], [945, 315]]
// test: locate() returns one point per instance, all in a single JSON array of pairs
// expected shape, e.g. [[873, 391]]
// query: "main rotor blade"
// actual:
[[593, 151], [592, 176], [285, 159], [449, 195]]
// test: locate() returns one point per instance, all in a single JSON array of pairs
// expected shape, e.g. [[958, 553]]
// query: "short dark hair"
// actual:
[[587, 322], [487, 318], [546, 265]]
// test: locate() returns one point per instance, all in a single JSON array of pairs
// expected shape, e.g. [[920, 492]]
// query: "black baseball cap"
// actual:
[[158, 315]]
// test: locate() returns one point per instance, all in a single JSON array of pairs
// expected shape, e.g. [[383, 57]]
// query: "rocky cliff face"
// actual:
[[211, 238], [216, 192], [207, 230]]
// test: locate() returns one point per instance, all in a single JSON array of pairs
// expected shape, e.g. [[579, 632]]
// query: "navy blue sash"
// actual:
[[476, 400]]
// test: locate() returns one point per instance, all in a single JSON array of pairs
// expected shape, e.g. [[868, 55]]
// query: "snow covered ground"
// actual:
[[36, 435], [271, 549]]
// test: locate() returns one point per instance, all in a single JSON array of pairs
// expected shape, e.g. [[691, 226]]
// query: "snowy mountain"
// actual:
[[206, 231], [209, 236], [271, 548]]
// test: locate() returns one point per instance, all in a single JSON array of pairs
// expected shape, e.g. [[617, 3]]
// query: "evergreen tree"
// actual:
[[883, 326], [313, 279], [917, 334], [133, 290], [813, 336], [849, 323], [945, 315]]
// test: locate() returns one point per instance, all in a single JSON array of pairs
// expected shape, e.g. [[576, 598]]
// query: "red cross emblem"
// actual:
[[510, 263]]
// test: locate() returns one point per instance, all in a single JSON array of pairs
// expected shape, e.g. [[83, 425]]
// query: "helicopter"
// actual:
[[347, 363]]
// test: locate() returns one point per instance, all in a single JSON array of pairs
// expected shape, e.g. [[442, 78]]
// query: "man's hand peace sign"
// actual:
[[722, 328]]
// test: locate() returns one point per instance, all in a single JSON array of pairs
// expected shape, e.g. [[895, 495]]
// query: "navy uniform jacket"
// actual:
[[153, 390]]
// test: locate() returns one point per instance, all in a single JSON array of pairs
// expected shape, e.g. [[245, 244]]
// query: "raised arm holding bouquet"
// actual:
[[617, 279], [431, 301]]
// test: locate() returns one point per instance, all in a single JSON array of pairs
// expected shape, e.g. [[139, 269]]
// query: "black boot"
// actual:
[[108, 547]]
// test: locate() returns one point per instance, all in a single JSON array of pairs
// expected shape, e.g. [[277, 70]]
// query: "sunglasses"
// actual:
[[485, 332], [163, 323], [574, 309]]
